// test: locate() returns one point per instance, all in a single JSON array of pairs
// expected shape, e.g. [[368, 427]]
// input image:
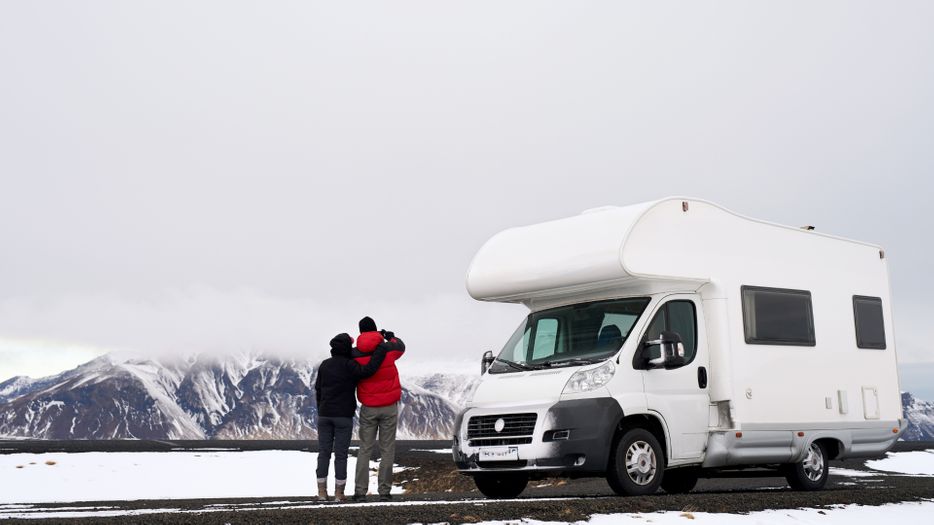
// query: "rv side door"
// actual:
[[678, 394]]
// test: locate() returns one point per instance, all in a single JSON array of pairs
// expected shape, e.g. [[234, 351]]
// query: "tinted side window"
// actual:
[[673, 316], [681, 319], [870, 327], [775, 316]]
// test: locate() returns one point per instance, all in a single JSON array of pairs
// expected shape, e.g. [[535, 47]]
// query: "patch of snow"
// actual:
[[434, 450], [850, 473], [33, 508], [917, 463], [206, 449], [920, 512], [114, 476], [55, 514]]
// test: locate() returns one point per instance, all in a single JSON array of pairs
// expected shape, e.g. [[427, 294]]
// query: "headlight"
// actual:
[[587, 380]]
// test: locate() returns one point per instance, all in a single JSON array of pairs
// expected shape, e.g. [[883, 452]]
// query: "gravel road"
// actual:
[[434, 494]]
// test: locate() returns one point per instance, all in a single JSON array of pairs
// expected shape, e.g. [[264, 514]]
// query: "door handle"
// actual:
[[702, 377]]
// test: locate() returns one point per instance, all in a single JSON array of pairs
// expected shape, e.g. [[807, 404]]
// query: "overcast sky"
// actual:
[[189, 176]]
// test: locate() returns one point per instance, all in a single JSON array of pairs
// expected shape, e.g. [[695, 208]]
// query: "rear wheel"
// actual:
[[503, 485], [637, 464], [812, 472], [680, 480]]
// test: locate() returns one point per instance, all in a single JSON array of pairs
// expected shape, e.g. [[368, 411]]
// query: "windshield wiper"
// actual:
[[517, 366], [572, 361]]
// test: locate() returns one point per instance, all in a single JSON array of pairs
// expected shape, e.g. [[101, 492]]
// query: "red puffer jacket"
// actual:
[[382, 388]]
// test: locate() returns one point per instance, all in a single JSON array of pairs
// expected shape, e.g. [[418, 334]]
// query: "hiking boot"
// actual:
[[385, 497], [339, 496], [359, 498], [322, 491]]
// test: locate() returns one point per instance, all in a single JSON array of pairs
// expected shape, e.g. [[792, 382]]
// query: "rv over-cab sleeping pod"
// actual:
[[674, 339]]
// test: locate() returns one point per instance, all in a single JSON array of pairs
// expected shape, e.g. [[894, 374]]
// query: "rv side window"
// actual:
[[870, 327], [673, 316], [776, 316]]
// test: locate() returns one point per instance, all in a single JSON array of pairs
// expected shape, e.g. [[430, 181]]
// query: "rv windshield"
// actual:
[[570, 335]]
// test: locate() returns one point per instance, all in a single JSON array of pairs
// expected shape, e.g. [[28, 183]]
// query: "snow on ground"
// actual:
[[66, 514], [433, 450], [851, 473], [919, 463], [922, 512], [106, 476]]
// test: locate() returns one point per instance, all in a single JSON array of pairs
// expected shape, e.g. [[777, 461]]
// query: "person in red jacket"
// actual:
[[379, 396]]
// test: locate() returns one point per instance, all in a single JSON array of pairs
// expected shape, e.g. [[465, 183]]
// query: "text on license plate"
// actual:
[[499, 454]]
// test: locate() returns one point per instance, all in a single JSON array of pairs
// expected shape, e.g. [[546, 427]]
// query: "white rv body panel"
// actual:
[[762, 403]]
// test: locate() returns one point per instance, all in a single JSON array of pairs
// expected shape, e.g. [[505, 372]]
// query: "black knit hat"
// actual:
[[341, 344], [367, 324]]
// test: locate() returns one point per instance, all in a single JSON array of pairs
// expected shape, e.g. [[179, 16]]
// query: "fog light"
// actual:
[[561, 435], [579, 461]]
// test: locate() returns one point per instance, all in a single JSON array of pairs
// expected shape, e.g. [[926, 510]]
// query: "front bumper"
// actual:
[[569, 436]]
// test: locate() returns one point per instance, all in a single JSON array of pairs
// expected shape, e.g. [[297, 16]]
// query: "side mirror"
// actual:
[[671, 354], [486, 361]]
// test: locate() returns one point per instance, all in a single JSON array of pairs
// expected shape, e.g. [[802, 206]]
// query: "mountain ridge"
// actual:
[[236, 396]]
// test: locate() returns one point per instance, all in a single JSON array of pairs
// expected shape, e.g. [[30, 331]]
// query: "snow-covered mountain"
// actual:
[[238, 396], [920, 415], [228, 397]]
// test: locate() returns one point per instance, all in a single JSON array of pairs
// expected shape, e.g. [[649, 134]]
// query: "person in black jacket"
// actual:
[[335, 392]]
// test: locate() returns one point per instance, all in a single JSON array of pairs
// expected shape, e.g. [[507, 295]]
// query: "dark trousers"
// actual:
[[333, 436]]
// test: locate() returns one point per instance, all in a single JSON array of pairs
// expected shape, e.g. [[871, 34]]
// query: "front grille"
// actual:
[[515, 425], [499, 442], [503, 464]]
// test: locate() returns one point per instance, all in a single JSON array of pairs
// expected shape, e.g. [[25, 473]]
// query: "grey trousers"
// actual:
[[373, 420]]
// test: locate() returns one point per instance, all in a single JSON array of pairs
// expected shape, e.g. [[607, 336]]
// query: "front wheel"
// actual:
[[637, 464], [812, 472], [501, 486]]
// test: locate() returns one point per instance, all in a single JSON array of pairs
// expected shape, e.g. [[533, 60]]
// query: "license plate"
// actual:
[[499, 454]]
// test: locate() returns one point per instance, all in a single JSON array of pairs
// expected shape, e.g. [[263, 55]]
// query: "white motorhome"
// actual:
[[673, 340]]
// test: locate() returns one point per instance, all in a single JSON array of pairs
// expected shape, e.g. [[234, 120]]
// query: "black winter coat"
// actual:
[[336, 385]]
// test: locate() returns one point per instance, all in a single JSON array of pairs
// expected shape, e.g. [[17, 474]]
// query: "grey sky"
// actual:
[[188, 176]]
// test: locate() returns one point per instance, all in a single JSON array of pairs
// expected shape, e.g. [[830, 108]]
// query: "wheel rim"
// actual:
[[641, 463], [813, 463]]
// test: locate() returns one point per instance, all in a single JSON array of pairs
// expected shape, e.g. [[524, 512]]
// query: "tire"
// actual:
[[812, 472], [680, 480], [503, 485], [637, 464]]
